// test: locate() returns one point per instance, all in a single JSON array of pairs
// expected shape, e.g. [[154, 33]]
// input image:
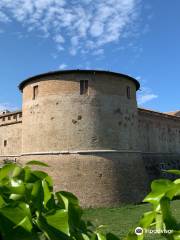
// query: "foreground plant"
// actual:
[[31, 210], [160, 219]]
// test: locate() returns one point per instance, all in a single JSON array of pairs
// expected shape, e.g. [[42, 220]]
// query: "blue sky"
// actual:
[[135, 37]]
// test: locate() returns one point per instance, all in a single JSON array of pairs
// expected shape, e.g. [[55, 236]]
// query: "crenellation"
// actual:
[[10, 118]]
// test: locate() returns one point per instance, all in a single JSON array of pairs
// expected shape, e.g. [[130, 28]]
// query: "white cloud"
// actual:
[[99, 51], [59, 39], [73, 22], [62, 66], [7, 106], [3, 18], [146, 98], [145, 95]]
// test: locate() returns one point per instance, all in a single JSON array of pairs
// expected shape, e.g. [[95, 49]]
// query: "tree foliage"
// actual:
[[160, 219], [31, 210]]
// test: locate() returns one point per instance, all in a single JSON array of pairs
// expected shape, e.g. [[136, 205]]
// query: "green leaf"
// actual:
[[17, 171], [2, 202], [153, 197], [84, 236], [15, 222], [132, 236], [16, 186], [177, 181], [168, 219], [161, 185], [47, 193], [59, 221], [176, 235], [100, 236], [159, 221], [37, 163], [37, 195], [147, 219], [70, 202], [41, 195], [28, 175], [55, 225], [159, 189], [67, 198], [175, 191], [173, 171], [6, 171], [26, 224], [39, 174], [16, 197], [49, 181]]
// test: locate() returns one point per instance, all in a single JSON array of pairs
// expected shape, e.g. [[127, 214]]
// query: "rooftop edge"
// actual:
[[26, 81]]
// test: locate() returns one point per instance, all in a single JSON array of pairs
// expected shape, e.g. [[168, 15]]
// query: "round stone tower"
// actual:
[[84, 124]]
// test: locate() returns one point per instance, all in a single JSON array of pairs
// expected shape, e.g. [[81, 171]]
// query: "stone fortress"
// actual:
[[86, 125]]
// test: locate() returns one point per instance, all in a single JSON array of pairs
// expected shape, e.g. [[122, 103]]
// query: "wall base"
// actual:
[[98, 179], [105, 178]]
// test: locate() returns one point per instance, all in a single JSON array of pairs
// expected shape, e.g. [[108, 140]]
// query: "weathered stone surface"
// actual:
[[99, 144]]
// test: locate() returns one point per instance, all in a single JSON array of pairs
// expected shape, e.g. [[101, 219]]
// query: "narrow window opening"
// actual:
[[3, 119], [128, 92], [9, 118], [5, 143], [35, 92], [83, 87], [15, 116]]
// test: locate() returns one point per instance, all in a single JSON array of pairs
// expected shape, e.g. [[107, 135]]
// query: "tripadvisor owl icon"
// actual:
[[138, 231]]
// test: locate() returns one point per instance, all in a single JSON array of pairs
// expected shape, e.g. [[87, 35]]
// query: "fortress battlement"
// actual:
[[10, 118], [86, 125]]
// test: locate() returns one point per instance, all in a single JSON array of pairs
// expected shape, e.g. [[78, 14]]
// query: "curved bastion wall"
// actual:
[[84, 124], [62, 119]]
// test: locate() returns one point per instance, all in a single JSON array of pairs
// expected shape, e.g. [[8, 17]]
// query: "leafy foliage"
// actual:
[[163, 191], [31, 210]]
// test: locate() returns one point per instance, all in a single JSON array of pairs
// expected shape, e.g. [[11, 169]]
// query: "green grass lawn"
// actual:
[[119, 220]]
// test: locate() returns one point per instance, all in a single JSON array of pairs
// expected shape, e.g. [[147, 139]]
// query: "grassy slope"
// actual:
[[120, 220]]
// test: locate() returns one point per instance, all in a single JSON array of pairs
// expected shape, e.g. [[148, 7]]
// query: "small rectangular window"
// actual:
[[9, 117], [35, 92], [3, 119], [83, 87], [15, 116], [20, 115], [128, 92], [5, 143]]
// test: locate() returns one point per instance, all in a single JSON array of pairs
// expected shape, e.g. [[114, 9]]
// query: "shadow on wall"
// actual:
[[155, 164]]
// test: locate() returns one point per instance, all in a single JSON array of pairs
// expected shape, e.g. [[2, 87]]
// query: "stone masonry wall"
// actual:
[[10, 135], [98, 179], [158, 133], [61, 119], [159, 141]]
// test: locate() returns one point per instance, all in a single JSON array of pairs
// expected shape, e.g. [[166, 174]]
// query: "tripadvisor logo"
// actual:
[[138, 231]]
